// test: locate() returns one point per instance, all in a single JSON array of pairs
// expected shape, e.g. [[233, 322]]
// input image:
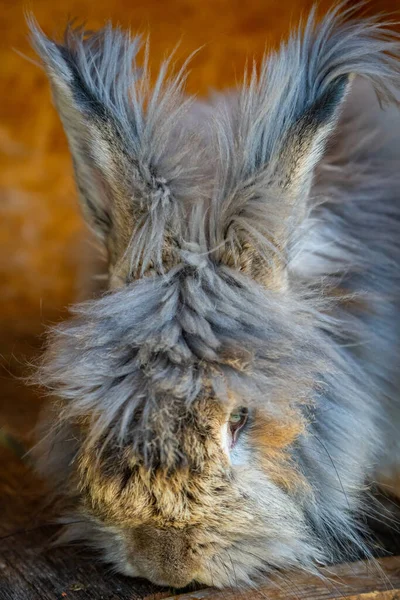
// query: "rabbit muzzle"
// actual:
[[165, 557]]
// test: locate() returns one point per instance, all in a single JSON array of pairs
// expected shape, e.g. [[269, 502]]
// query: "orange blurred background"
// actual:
[[46, 254]]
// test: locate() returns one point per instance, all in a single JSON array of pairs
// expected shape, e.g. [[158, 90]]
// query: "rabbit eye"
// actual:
[[237, 420]]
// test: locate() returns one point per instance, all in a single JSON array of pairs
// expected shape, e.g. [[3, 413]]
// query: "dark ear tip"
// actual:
[[340, 87], [328, 104]]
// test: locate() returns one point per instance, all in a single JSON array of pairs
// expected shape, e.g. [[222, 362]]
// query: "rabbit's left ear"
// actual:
[[125, 142], [90, 76]]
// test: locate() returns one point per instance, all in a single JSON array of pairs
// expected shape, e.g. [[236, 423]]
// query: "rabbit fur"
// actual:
[[254, 248]]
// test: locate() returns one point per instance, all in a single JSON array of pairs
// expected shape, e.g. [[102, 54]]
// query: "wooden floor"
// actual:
[[46, 257]]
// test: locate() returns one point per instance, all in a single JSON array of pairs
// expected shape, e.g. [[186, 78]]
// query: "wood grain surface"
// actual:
[[47, 256], [380, 580]]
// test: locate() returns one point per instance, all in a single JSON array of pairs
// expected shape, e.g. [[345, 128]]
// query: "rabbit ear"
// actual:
[[90, 78], [126, 149], [305, 141], [275, 134]]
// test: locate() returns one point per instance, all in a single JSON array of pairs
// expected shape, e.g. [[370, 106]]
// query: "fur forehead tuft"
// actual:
[[137, 359]]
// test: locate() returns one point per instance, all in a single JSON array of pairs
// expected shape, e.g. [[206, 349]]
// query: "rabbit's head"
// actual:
[[190, 396]]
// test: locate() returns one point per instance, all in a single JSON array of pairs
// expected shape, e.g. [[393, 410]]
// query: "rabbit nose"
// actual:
[[165, 556]]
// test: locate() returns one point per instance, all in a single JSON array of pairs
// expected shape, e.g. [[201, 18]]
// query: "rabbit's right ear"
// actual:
[[272, 140], [122, 136]]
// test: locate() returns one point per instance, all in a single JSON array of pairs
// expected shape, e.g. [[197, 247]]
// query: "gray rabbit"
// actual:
[[227, 406]]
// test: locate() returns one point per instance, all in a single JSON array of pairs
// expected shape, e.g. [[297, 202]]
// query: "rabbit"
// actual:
[[229, 405]]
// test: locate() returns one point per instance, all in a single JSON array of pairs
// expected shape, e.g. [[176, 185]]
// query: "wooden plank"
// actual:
[[379, 580], [393, 595], [29, 573]]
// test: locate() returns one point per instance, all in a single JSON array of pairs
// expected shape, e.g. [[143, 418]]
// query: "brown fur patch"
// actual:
[[270, 274], [120, 488], [389, 482], [271, 439]]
